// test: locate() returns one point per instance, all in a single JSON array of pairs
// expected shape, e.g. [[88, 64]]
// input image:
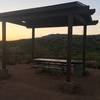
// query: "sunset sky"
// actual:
[[16, 32]]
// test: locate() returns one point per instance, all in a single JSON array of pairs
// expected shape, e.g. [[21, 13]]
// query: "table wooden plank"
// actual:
[[57, 60]]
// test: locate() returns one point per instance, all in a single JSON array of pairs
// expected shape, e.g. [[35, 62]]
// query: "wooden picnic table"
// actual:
[[57, 64]]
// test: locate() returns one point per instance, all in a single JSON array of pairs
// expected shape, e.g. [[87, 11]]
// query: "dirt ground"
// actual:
[[25, 83]]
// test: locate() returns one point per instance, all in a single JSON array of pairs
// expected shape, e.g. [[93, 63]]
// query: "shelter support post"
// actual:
[[3, 45], [4, 71], [69, 46], [84, 49], [33, 43]]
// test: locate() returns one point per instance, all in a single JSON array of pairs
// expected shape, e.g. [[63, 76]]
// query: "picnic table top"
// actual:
[[57, 60]]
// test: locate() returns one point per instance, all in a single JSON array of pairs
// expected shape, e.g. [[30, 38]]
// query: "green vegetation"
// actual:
[[53, 46]]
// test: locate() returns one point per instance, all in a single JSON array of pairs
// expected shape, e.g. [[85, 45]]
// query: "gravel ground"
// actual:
[[25, 83]]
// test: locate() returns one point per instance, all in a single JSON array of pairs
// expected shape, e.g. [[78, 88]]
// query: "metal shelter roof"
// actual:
[[51, 16]]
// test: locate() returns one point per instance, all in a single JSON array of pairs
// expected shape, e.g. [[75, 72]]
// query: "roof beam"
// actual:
[[17, 22]]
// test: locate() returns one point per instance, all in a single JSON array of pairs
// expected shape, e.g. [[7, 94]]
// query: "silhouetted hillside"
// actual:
[[54, 46]]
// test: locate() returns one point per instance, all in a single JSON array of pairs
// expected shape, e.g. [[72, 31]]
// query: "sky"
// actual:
[[16, 32]]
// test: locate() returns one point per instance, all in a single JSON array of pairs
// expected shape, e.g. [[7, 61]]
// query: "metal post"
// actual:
[[70, 23], [4, 45], [84, 49]]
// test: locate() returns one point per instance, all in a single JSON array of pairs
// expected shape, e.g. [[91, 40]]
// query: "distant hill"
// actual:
[[54, 46]]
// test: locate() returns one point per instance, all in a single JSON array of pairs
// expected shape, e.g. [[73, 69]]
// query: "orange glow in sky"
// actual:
[[16, 32]]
